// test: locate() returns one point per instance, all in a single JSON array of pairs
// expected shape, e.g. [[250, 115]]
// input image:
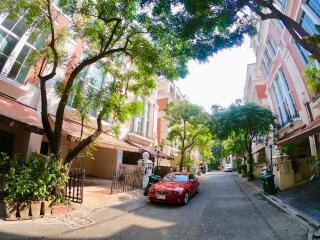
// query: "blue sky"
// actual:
[[220, 80]]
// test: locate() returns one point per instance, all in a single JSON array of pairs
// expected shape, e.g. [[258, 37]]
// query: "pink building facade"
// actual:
[[282, 63], [21, 129]]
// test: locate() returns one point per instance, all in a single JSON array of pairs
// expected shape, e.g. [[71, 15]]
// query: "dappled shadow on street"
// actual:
[[305, 197], [220, 211]]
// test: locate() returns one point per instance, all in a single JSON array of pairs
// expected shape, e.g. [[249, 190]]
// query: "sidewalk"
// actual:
[[298, 202], [91, 212], [304, 198]]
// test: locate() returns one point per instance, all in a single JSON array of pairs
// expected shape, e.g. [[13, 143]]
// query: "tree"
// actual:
[[116, 35], [216, 24], [248, 121], [188, 124]]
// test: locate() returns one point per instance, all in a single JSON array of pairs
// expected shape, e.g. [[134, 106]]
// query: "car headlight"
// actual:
[[178, 189]]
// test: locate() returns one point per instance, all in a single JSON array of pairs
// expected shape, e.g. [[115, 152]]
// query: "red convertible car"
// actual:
[[175, 187]]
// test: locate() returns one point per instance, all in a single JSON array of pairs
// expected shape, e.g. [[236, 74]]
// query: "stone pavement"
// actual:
[[226, 208], [82, 216], [305, 198]]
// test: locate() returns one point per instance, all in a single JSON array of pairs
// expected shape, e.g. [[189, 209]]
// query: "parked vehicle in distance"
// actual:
[[175, 187], [228, 167]]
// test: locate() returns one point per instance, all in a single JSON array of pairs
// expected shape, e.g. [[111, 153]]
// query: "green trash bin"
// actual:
[[268, 184], [154, 179]]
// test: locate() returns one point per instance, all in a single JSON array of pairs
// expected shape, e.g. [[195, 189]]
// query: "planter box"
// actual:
[[9, 210], [45, 208], [24, 210], [35, 209]]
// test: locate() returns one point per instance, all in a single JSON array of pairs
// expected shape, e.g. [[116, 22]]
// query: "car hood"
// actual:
[[169, 185]]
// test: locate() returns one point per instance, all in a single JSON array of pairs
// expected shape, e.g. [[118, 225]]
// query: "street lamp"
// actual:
[[158, 149], [271, 144]]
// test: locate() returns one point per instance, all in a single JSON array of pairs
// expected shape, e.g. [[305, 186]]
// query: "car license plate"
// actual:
[[161, 196]]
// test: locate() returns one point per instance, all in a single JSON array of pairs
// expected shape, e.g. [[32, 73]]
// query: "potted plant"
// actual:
[[9, 209], [24, 209], [45, 208]]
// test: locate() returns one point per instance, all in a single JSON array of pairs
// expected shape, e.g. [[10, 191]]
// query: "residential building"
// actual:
[[21, 129], [255, 91], [282, 62], [167, 92]]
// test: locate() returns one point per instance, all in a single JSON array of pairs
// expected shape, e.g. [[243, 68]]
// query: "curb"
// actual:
[[312, 224]]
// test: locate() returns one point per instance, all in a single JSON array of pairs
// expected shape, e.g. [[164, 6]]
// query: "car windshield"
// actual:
[[176, 178]]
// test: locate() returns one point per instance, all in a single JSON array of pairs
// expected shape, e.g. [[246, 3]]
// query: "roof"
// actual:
[[303, 133], [73, 129], [19, 115], [152, 151]]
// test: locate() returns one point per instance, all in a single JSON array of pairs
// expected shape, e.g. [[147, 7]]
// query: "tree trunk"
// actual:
[[250, 162], [182, 158]]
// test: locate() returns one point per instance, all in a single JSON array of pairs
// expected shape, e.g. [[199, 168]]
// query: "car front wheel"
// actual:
[[198, 189], [186, 198]]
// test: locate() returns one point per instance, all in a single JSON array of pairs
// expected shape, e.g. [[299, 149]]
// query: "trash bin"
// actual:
[[268, 185], [152, 179]]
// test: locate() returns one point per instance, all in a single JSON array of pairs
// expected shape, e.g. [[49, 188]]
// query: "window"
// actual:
[[16, 47], [267, 58], [132, 124], [171, 177], [272, 47], [283, 95], [191, 177], [140, 121], [91, 80], [314, 5], [148, 113], [307, 23], [264, 69], [283, 3]]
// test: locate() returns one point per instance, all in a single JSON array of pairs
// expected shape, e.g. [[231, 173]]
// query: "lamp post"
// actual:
[[158, 149], [271, 144]]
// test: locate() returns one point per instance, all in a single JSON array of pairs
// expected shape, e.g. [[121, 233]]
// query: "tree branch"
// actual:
[[87, 141], [51, 45]]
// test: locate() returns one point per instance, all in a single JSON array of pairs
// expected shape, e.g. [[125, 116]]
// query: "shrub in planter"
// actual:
[[9, 209], [24, 209], [45, 208], [39, 179]]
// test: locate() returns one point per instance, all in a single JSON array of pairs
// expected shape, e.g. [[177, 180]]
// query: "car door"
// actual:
[[193, 183]]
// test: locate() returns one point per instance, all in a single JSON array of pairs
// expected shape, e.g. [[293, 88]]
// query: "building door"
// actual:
[[6, 142]]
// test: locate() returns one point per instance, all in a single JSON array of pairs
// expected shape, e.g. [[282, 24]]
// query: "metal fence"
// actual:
[[125, 180], [74, 186]]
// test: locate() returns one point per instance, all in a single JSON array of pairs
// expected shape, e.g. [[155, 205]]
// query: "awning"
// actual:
[[152, 151], [303, 133], [73, 130], [18, 115]]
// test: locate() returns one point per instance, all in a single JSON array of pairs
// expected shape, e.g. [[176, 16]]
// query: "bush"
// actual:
[[38, 179]]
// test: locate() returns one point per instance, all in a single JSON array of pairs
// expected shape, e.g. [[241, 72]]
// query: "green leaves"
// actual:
[[35, 180], [188, 126]]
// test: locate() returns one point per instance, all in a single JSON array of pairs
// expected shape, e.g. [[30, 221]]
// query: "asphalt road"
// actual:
[[226, 208]]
